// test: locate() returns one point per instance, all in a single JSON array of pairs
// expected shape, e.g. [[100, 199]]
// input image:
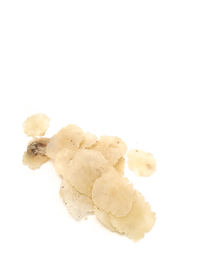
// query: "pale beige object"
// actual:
[[62, 159], [36, 125], [112, 148], [92, 177], [113, 193], [85, 167], [104, 218], [120, 165], [78, 205], [69, 137], [89, 140], [141, 163], [35, 155], [139, 221]]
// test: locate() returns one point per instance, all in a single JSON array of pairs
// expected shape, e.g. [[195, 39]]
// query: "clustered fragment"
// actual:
[[92, 175]]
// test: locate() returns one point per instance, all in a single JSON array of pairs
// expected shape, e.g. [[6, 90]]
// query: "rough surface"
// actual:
[[62, 160], [139, 220], [36, 125], [141, 163], [111, 147], [78, 205], [92, 175], [113, 193], [69, 137], [35, 156], [83, 170]]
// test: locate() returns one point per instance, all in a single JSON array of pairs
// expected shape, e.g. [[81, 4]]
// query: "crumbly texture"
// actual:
[[78, 205], [36, 125], [35, 156], [92, 176], [141, 163]]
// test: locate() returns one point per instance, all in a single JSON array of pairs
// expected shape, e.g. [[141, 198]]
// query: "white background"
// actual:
[[125, 68]]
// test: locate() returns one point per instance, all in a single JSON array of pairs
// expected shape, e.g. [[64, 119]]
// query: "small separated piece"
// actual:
[[36, 125], [35, 155], [141, 163]]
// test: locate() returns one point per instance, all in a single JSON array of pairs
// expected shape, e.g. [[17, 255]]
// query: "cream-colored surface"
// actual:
[[113, 193], [69, 137], [138, 221], [83, 170], [36, 125], [92, 180], [78, 205], [141, 163], [35, 155]]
